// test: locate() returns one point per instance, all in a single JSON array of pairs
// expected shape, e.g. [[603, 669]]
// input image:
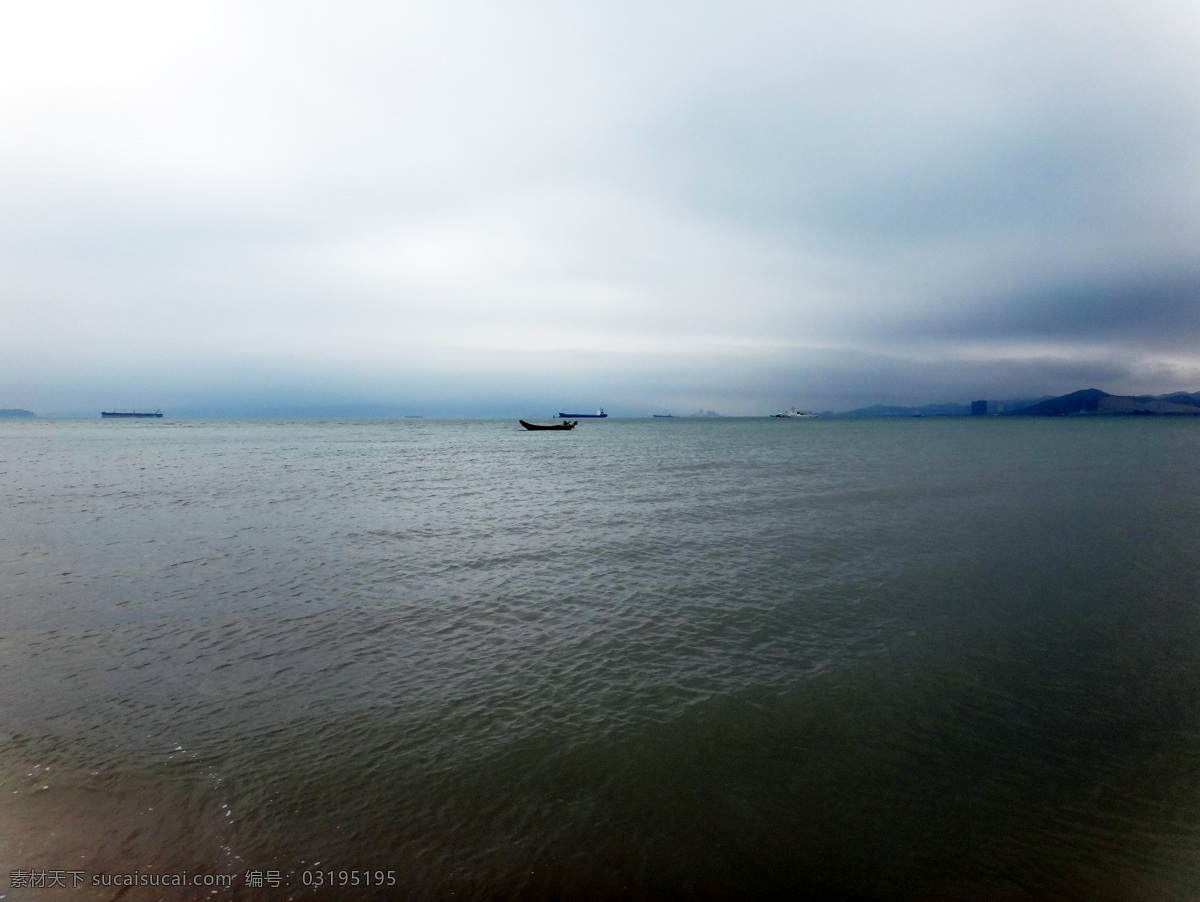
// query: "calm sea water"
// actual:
[[914, 659]]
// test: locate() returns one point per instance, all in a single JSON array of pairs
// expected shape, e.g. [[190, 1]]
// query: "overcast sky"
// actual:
[[492, 208]]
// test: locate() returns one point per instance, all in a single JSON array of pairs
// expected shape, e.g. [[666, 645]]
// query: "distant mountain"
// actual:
[[17, 413], [1087, 401], [1100, 403], [1178, 397]]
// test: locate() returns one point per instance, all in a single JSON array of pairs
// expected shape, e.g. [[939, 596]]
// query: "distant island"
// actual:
[[17, 413], [1089, 401]]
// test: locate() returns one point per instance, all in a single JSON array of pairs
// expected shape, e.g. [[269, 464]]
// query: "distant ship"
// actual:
[[598, 413], [119, 413], [793, 412], [663, 416]]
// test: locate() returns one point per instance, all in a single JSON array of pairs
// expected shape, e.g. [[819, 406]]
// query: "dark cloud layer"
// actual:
[[1152, 312]]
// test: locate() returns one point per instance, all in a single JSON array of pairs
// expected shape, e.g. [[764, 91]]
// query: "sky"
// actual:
[[460, 208]]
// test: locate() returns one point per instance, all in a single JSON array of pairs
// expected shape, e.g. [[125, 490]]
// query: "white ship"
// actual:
[[793, 412]]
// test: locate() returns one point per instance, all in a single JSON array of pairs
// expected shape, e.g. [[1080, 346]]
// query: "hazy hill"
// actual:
[[1094, 401], [1086, 401], [17, 413], [1178, 397]]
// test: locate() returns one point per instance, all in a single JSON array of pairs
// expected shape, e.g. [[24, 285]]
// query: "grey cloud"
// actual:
[[852, 179], [1157, 310]]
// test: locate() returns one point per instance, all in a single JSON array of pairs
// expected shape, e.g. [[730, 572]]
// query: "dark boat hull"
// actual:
[[112, 413], [558, 427]]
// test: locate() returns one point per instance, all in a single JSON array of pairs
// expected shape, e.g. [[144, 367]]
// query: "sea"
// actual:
[[718, 658]]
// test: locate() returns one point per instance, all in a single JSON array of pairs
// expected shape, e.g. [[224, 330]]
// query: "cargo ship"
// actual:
[[598, 413], [119, 413]]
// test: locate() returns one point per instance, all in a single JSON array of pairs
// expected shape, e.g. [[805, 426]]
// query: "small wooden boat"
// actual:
[[556, 426]]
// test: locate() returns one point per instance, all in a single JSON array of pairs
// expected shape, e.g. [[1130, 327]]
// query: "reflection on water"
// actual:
[[853, 659]]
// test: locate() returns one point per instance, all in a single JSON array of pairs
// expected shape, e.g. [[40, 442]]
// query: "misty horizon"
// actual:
[[510, 409]]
